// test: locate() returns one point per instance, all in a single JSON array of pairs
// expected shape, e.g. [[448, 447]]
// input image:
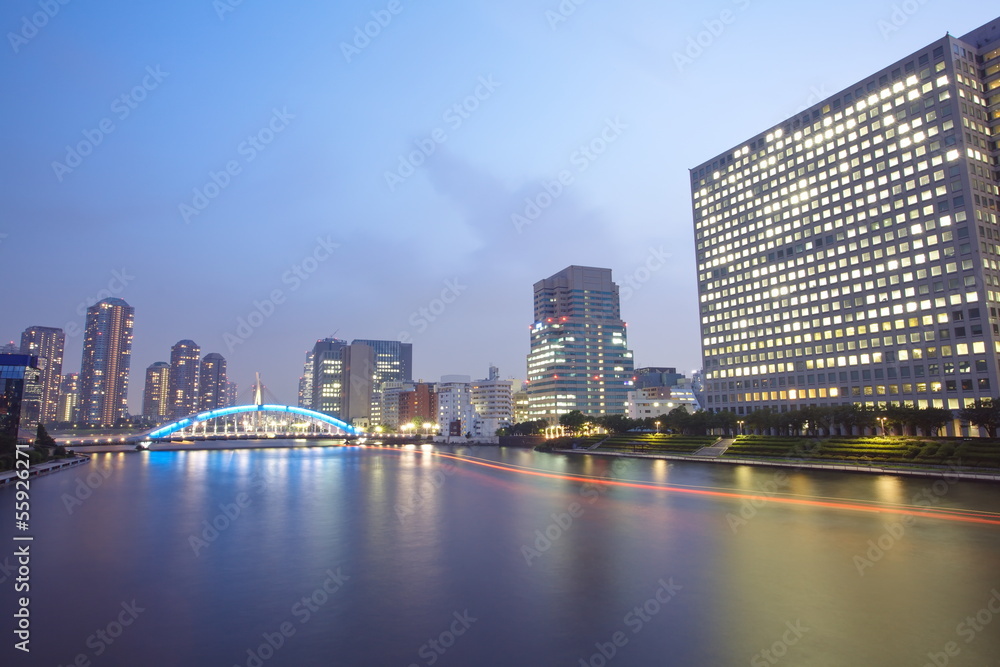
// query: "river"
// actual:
[[483, 556]]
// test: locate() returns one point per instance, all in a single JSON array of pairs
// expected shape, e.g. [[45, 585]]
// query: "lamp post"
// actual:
[[881, 420], [657, 427], [740, 422]]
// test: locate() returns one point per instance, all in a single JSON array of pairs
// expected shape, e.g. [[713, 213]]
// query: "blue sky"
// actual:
[[208, 161]]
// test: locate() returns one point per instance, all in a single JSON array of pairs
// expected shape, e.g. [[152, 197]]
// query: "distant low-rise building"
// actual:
[[656, 401], [656, 376], [455, 412], [493, 402]]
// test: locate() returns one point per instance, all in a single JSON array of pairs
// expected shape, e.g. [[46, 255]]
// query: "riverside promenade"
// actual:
[[841, 466], [10, 476]]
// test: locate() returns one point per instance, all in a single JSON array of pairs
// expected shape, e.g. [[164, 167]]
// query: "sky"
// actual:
[[254, 176]]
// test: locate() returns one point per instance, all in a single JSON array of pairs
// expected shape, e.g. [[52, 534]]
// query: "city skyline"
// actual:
[[470, 233]]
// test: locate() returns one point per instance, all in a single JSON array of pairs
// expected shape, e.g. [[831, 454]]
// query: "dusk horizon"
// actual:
[[406, 174]]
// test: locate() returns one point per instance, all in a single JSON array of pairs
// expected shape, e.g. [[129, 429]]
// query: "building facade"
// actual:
[[393, 362], [69, 398], [20, 395], [213, 384], [455, 413], [328, 376], [579, 357], [522, 406], [156, 402], [185, 378], [306, 382], [343, 381], [232, 393], [656, 376], [107, 357], [48, 344], [644, 402], [851, 253], [492, 400]]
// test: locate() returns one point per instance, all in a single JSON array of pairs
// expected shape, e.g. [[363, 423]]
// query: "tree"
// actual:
[[574, 420], [726, 420], [819, 417], [42, 438], [984, 414], [794, 420], [760, 420], [8, 449], [903, 416], [851, 416], [529, 427], [844, 418], [699, 422], [616, 423], [677, 420], [932, 420]]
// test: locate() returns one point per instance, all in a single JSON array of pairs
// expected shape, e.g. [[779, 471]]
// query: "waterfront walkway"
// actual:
[[10, 476], [844, 466], [716, 449]]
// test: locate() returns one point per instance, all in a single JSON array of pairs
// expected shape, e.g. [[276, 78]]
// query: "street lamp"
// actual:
[[740, 422], [881, 421], [657, 427]]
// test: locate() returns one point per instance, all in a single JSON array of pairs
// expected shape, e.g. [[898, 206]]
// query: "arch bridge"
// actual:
[[242, 422]]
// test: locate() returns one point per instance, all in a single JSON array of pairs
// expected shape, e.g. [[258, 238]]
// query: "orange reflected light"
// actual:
[[968, 516]]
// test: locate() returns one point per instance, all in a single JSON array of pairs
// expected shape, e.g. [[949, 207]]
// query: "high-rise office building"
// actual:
[[343, 379], [46, 343], [156, 402], [185, 356], [359, 383], [213, 383], [328, 376], [69, 398], [107, 355], [851, 253], [579, 357], [393, 363], [306, 382], [232, 393], [20, 395]]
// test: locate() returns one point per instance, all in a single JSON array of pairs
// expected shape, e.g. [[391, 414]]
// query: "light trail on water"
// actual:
[[966, 516]]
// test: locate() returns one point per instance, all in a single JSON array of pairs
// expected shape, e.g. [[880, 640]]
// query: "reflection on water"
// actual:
[[367, 554]]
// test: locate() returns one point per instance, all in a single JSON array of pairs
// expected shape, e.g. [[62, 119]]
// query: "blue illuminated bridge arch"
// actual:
[[167, 430]]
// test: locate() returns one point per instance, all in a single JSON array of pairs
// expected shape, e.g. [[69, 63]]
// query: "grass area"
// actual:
[[891, 450], [652, 443], [975, 452]]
